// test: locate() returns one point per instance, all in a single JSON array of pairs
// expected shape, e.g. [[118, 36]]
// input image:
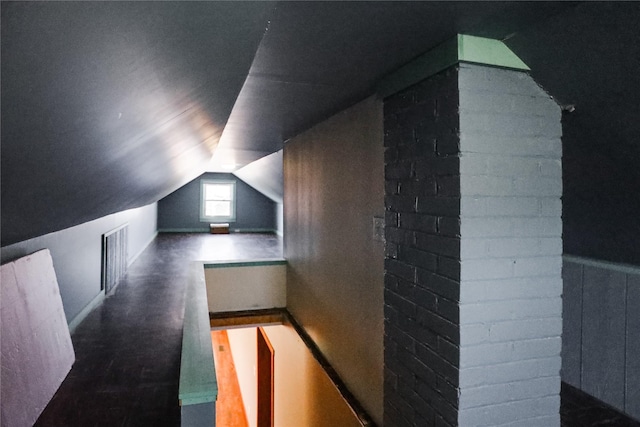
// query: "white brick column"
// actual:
[[473, 310], [510, 249]]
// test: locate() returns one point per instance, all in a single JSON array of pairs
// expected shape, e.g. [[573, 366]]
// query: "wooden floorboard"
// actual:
[[230, 411], [128, 348]]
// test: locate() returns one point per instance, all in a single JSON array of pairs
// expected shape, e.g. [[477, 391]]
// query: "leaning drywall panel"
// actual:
[[36, 348]]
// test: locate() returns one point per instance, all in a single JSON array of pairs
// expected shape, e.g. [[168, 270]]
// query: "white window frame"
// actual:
[[205, 218]]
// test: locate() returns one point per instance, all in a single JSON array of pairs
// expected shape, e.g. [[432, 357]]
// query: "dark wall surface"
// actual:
[[180, 210], [601, 199], [594, 51], [601, 331]]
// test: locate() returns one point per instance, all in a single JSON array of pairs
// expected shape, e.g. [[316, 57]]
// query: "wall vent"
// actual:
[[114, 257]]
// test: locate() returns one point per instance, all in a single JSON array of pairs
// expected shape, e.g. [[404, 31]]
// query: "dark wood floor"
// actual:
[[128, 349], [230, 411], [581, 410]]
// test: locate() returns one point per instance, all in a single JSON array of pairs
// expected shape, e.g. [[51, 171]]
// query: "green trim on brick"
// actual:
[[480, 50], [258, 263], [462, 48]]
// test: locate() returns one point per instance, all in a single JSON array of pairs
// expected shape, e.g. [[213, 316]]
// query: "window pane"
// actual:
[[217, 192], [217, 208]]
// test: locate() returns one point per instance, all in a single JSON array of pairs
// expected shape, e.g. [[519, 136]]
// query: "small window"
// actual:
[[217, 201]]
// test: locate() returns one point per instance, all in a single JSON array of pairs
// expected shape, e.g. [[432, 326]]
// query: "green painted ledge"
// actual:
[[207, 230], [462, 48], [605, 265], [198, 383], [255, 263]]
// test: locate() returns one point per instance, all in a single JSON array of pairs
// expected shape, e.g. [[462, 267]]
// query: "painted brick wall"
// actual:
[[473, 257], [511, 250], [422, 267]]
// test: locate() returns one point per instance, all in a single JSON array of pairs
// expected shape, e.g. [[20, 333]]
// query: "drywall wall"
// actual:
[[236, 286], [303, 393], [180, 210], [280, 219], [333, 189], [37, 353], [77, 254], [243, 346]]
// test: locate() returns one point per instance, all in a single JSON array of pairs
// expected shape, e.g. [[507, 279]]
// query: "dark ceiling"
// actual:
[[110, 106], [319, 57]]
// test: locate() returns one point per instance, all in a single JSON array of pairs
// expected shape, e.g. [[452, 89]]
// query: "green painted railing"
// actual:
[[254, 263], [197, 371]]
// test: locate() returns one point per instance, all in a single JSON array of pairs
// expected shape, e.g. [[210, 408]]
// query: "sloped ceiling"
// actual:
[[112, 105], [320, 57], [265, 175], [109, 106]]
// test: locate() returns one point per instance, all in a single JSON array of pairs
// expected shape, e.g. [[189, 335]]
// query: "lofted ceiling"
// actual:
[[113, 105], [319, 57]]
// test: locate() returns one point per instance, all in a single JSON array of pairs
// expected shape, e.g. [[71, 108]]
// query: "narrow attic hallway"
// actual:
[[456, 184], [128, 349]]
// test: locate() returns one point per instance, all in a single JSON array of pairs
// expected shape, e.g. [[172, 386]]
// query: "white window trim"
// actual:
[[230, 218]]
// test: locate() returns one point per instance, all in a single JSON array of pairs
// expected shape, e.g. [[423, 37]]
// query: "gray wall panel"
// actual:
[[77, 252], [203, 414], [603, 335], [334, 187], [632, 391], [572, 323]]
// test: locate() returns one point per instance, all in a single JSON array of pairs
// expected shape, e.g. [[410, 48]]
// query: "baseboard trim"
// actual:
[[206, 230], [135, 257], [253, 230], [184, 230], [75, 322]]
